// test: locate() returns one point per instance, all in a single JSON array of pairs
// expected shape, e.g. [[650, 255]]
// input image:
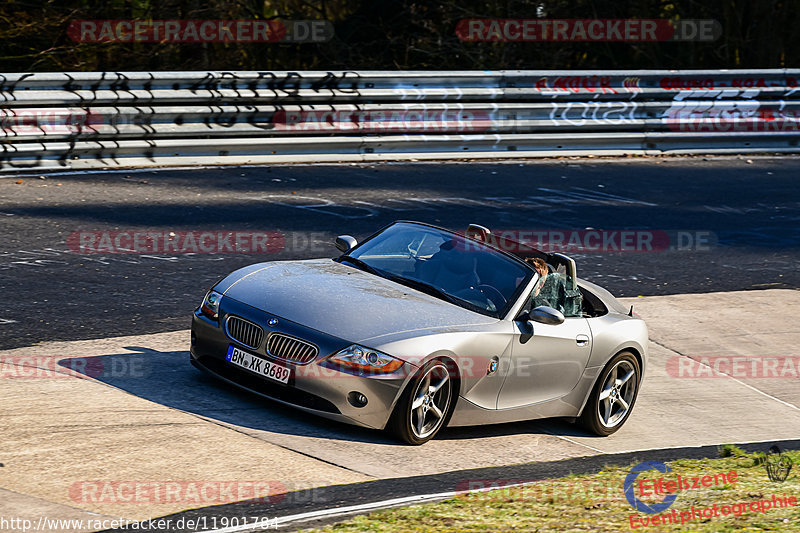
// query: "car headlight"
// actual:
[[210, 306], [366, 359]]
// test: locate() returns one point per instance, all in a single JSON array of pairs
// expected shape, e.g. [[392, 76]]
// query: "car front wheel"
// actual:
[[613, 396], [425, 405]]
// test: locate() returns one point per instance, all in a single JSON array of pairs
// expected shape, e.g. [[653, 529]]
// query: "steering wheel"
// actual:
[[495, 296]]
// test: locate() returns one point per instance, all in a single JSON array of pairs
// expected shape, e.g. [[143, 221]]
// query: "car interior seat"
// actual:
[[450, 269]]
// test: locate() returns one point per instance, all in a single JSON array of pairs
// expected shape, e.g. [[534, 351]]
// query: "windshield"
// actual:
[[444, 264]]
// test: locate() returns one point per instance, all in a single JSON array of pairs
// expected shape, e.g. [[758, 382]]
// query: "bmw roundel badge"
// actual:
[[272, 322], [492, 366]]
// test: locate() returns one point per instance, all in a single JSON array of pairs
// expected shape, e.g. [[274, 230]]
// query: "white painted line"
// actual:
[[771, 397], [358, 509], [395, 502], [787, 404], [680, 447], [7, 321], [562, 437]]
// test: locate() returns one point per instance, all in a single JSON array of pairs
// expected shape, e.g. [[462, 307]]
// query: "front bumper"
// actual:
[[313, 387]]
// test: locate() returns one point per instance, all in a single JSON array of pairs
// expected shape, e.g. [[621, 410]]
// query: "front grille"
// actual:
[[291, 349], [244, 332]]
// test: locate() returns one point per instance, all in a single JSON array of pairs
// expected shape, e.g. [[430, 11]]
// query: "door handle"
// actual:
[[582, 340]]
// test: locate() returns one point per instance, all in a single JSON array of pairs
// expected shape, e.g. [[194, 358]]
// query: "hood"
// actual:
[[343, 301]]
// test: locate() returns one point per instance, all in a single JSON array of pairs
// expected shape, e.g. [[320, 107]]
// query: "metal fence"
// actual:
[[92, 120]]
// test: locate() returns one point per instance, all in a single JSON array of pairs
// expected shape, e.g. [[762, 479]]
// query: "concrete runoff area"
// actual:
[[147, 417]]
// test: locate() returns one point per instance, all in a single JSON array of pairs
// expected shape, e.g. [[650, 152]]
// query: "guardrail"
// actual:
[[91, 120]]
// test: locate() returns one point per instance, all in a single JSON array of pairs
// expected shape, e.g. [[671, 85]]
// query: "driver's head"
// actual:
[[538, 264]]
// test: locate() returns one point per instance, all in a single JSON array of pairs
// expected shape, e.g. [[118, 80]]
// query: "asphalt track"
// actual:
[[744, 212], [145, 416]]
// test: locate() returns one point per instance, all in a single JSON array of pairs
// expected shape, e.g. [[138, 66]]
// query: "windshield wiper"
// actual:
[[426, 288], [362, 265]]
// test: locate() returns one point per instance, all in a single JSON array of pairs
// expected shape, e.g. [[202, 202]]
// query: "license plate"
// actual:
[[260, 366]]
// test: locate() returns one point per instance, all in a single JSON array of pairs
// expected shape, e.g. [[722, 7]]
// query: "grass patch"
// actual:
[[731, 450], [597, 503]]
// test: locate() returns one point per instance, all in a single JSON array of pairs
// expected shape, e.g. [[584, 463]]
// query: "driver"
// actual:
[[541, 268], [546, 291]]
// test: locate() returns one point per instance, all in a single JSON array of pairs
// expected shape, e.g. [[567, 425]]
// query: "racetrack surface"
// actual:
[[134, 413], [731, 223], [125, 311]]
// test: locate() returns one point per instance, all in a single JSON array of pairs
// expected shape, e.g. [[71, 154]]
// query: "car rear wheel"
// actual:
[[425, 405], [613, 396]]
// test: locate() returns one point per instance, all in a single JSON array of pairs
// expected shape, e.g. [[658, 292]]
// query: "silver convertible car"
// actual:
[[418, 327]]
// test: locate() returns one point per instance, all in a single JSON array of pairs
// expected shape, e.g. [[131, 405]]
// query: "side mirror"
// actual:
[[546, 315], [345, 243], [478, 233]]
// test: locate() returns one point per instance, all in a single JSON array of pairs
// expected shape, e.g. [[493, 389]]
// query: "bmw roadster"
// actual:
[[418, 327]]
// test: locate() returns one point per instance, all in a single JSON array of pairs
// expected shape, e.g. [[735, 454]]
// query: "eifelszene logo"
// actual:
[[667, 485], [630, 482]]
